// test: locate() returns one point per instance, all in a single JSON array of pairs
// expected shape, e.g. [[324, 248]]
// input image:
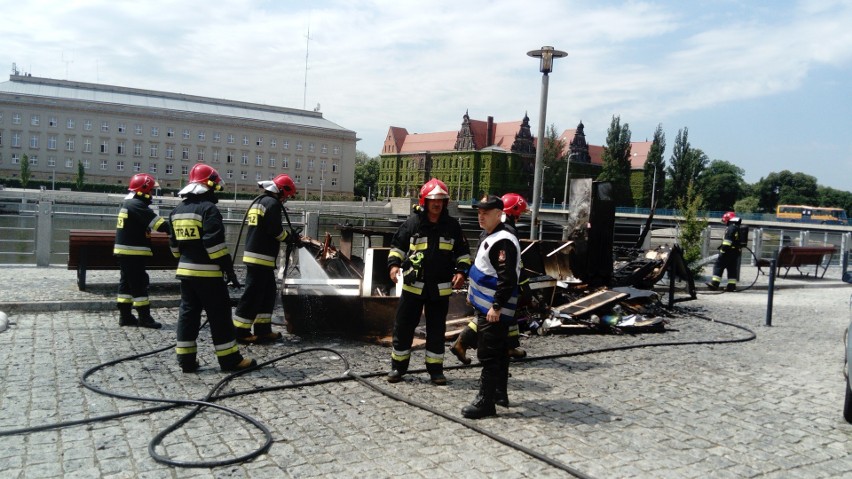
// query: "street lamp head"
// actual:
[[546, 55]]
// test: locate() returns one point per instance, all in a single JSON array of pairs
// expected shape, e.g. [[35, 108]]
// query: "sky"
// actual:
[[763, 85]]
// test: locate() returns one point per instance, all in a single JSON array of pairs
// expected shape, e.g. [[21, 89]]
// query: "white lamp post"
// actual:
[[546, 55]]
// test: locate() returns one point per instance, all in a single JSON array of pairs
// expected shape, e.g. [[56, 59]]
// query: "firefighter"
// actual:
[[263, 242], [514, 205], [493, 292], [729, 254], [132, 247], [433, 256], [198, 239]]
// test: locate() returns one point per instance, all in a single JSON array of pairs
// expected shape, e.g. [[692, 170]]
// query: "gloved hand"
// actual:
[[294, 237], [232, 280]]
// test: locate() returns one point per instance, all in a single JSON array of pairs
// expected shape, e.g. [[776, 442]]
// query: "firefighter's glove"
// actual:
[[413, 265], [294, 237], [232, 280]]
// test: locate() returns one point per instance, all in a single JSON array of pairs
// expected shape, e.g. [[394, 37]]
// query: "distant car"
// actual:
[[847, 403]]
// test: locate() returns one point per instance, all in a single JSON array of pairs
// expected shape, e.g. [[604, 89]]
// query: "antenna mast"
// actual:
[[307, 50]]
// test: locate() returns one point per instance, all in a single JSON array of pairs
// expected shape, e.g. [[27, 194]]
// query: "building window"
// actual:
[[244, 159], [259, 141], [137, 129], [200, 154], [298, 163], [322, 165], [104, 146], [170, 132], [86, 164], [285, 162], [333, 181], [122, 149], [34, 120], [273, 143], [230, 139], [170, 169], [153, 150], [122, 128], [70, 124], [33, 160], [245, 140], [298, 146], [258, 160], [137, 167], [104, 126], [310, 180], [16, 119], [324, 148], [170, 152], [216, 156], [285, 144], [310, 147], [152, 168], [16, 139], [311, 164], [217, 137], [69, 163], [104, 164], [87, 125], [119, 165], [229, 174], [69, 143], [298, 179], [230, 158], [272, 162], [201, 135], [155, 131], [137, 148], [16, 160], [258, 176], [34, 141], [51, 142], [243, 174], [184, 154], [334, 167], [185, 134], [51, 122]]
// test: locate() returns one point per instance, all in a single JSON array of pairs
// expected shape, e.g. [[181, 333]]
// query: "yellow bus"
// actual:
[[811, 214]]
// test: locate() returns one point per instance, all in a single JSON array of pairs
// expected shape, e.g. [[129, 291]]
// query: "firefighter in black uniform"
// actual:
[[263, 242], [729, 254], [493, 292], [198, 239], [433, 256], [514, 205], [132, 247]]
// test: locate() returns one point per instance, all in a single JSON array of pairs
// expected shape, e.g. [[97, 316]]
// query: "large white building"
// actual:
[[116, 132]]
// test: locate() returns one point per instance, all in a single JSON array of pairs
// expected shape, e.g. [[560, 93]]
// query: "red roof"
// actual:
[[400, 141]]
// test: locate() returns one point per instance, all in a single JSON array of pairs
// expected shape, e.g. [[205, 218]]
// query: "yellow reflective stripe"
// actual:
[[282, 236], [186, 227], [464, 259], [186, 347], [124, 299], [412, 289], [242, 323], [401, 355], [472, 325], [263, 318], [396, 253], [156, 222], [434, 358], [224, 352], [198, 273], [445, 289], [418, 247], [217, 251], [141, 301], [726, 243], [259, 259], [446, 244], [514, 331]]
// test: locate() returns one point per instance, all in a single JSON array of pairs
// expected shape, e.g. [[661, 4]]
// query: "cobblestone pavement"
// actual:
[[770, 407]]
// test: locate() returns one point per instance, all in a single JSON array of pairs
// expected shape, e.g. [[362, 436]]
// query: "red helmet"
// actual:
[[433, 189], [286, 187], [728, 217], [514, 205], [143, 183], [207, 176]]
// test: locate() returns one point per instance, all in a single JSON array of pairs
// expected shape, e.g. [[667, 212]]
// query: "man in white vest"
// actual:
[[493, 293]]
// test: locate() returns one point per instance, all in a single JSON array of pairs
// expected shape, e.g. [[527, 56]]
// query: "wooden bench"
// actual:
[[92, 250], [796, 256]]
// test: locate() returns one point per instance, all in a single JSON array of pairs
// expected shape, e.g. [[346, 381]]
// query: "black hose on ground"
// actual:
[[208, 401]]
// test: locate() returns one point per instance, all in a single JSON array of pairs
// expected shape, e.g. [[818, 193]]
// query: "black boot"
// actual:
[[501, 394], [126, 318], [398, 369], [483, 404], [145, 319], [731, 287], [436, 374]]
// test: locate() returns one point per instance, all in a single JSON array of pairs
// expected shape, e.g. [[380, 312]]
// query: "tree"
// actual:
[[366, 174], [616, 161], [81, 176], [654, 175], [721, 185], [553, 180], [686, 165], [786, 188], [25, 171], [748, 204], [690, 230]]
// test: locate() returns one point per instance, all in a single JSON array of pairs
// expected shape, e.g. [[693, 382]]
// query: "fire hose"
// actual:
[[209, 400]]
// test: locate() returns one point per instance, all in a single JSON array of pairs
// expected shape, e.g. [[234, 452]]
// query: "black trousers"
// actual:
[[133, 280], [492, 353], [730, 261], [408, 313], [211, 296], [258, 299]]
